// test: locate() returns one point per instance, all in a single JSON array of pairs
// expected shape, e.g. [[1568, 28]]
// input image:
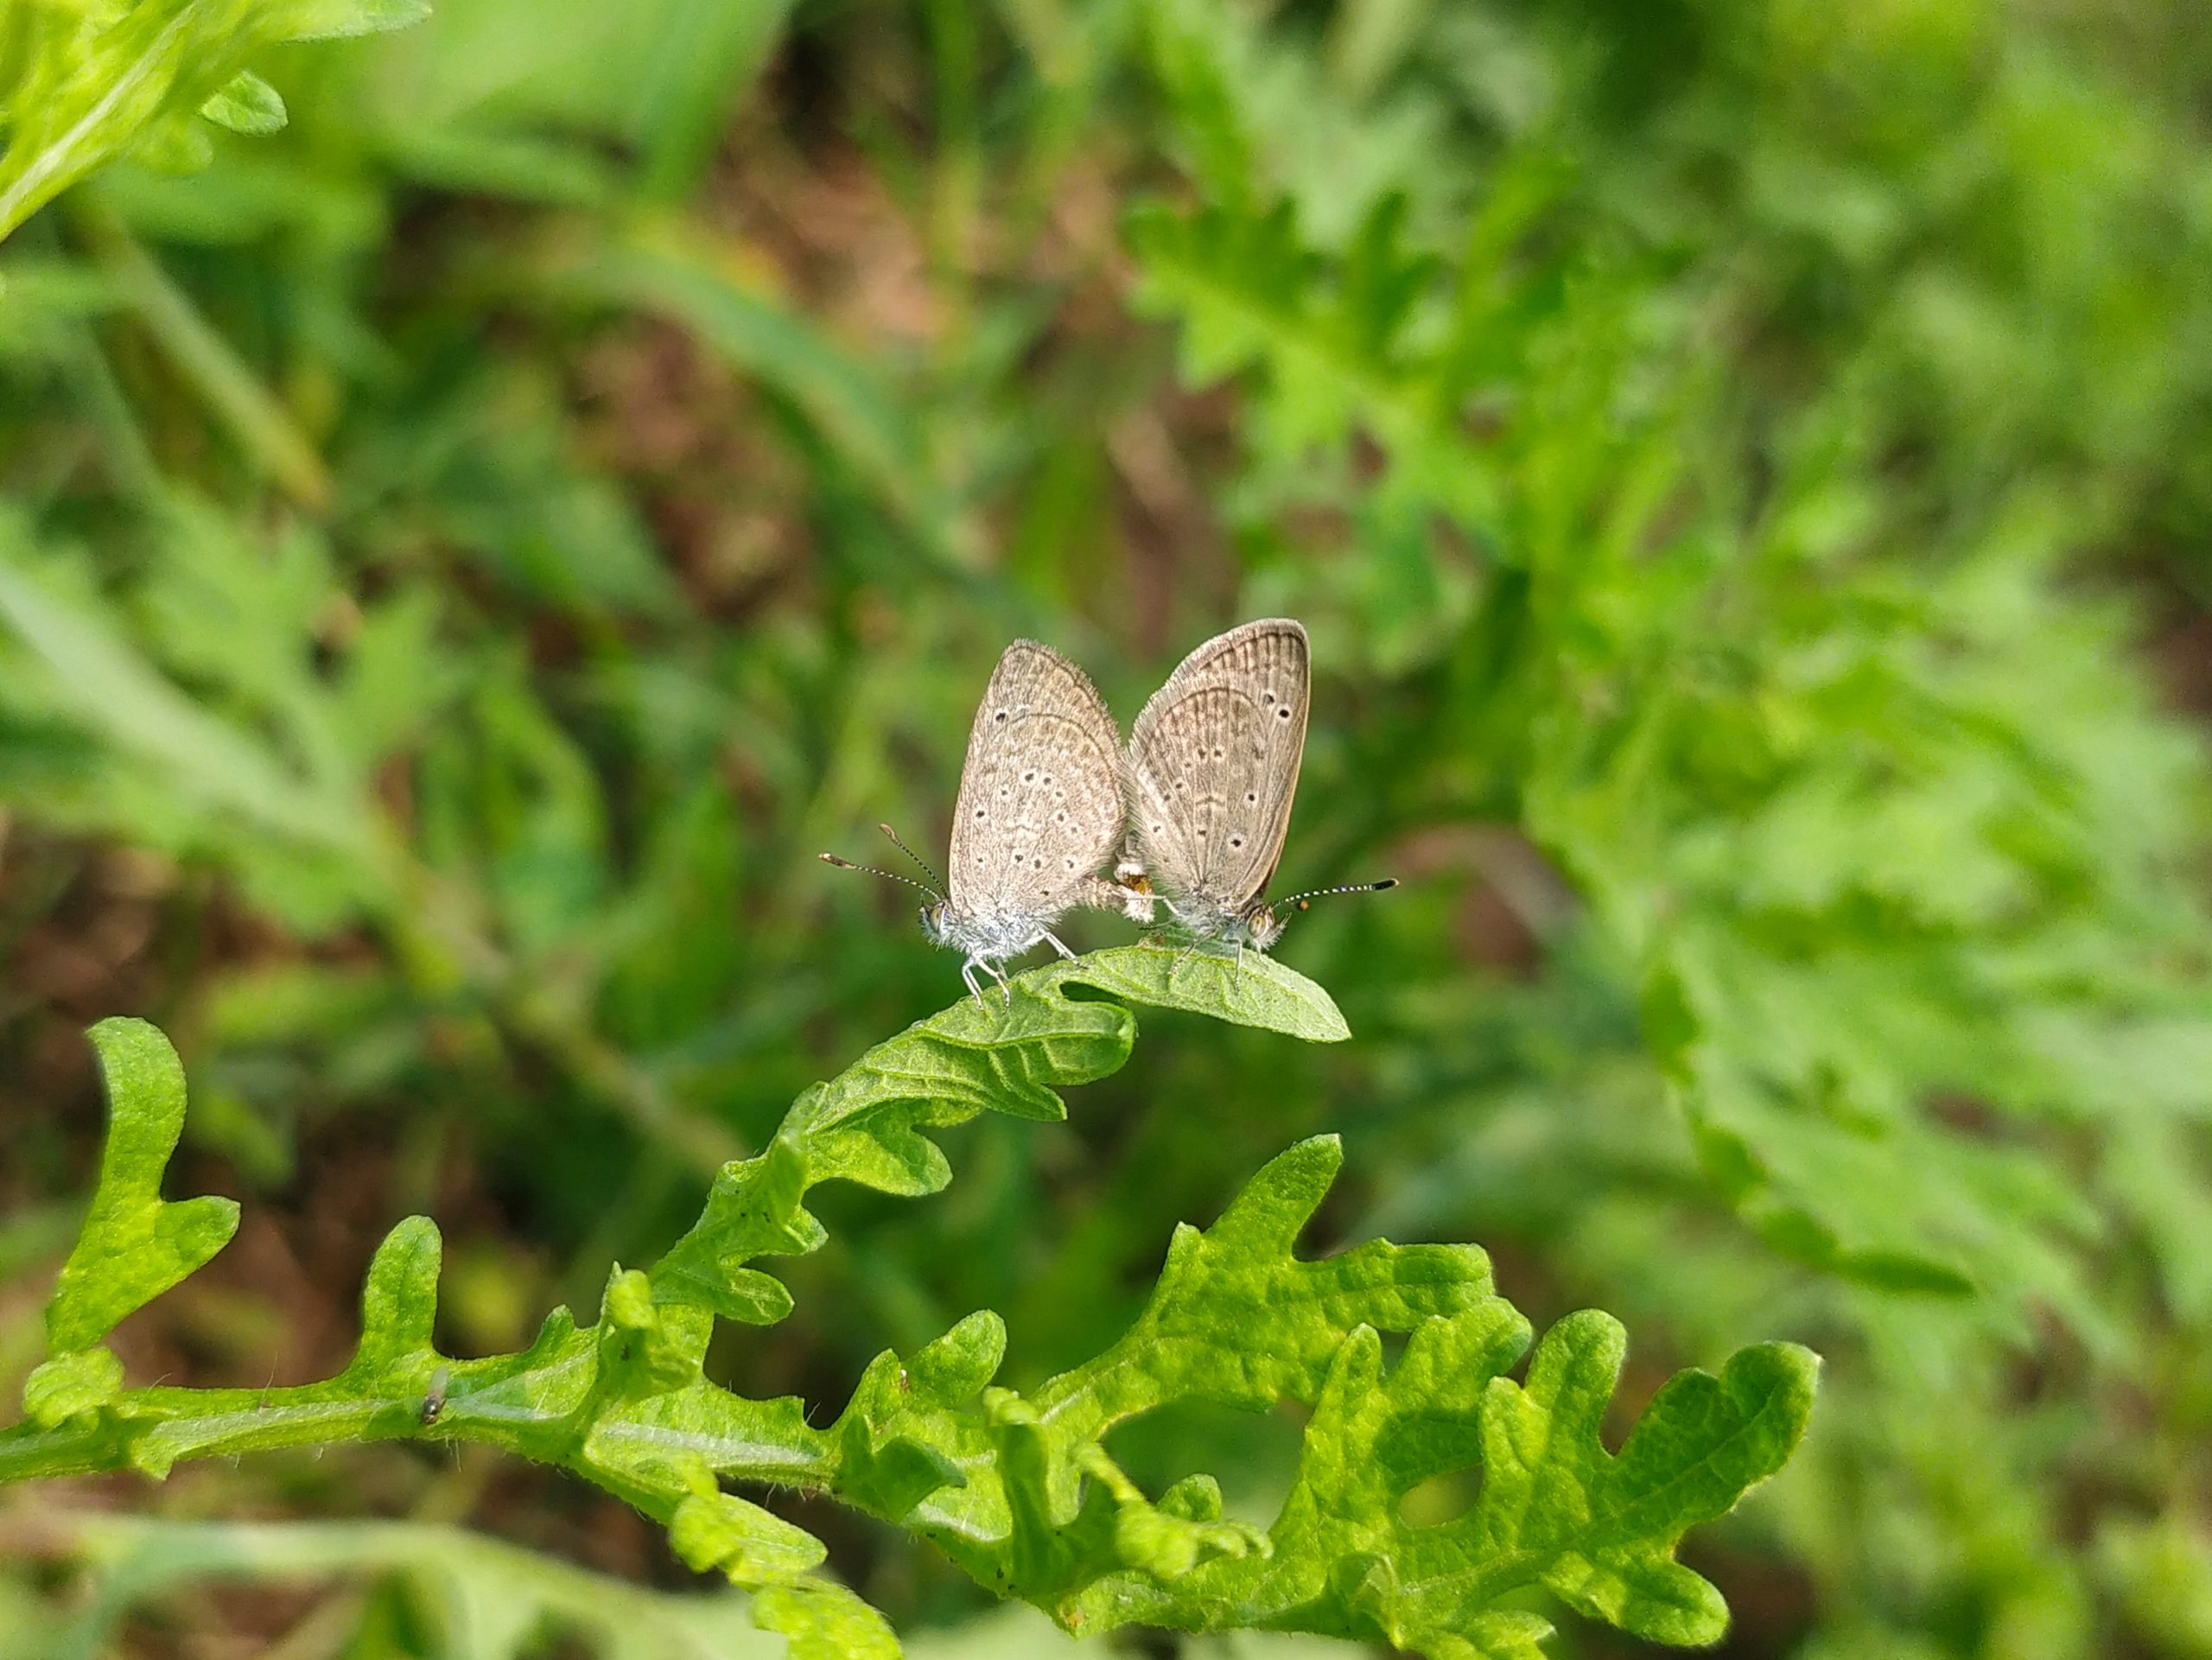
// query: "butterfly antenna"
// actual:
[[888, 875], [911, 853], [1302, 900]]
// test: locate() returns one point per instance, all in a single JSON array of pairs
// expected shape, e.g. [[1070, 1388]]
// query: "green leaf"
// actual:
[[1872, 831], [246, 104], [79, 1380], [1251, 989], [1556, 1509], [1007, 1056], [1019, 1490], [322, 20], [743, 1294], [399, 1300], [91, 83], [955, 1367], [1242, 1276], [824, 1622], [1041, 1511], [717, 1530], [1603, 1529], [135, 1244]]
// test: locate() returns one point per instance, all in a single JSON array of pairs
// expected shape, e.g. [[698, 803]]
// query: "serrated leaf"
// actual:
[[865, 1125], [1044, 1512], [1242, 1276], [1875, 832], [1019, 1490], [135, 1244], [1596, 1531], [1007, 1054], [1603, 1526]]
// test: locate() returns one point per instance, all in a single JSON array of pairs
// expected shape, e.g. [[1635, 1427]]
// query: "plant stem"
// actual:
[[493, 1402]]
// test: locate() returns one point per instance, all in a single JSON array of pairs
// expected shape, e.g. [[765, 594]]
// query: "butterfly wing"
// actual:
[[1040, 806], [1214, 759]]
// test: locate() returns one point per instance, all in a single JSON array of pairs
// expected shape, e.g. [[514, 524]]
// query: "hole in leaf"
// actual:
[[1252, 1454], [1441, 1498]]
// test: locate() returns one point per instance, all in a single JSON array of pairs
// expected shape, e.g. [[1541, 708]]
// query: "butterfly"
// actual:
[[1213, 763], [1041, 809]]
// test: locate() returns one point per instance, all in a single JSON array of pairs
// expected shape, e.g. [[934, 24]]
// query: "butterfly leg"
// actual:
[[1054, 941], [1005, 984], [1164, 936], [967, 973]]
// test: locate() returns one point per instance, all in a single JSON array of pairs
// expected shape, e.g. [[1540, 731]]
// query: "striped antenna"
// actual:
[[1303, 901], [911, 853], [888, 875]]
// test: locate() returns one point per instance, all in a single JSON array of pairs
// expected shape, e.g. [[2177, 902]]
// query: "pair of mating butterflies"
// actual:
[[1196, 811]]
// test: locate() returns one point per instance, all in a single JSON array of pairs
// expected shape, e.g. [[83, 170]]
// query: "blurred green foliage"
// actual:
[[1743, 469]]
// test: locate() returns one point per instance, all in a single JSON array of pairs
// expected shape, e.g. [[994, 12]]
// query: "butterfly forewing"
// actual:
[[1040, 806], [1214, 761]]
